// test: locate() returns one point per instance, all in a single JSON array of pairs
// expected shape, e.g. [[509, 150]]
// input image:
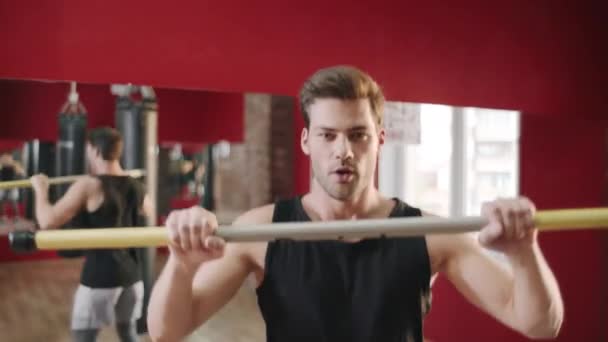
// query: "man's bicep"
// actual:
[[217, 281], [74, 200], [260, 215], [146, 207], [479, 277]]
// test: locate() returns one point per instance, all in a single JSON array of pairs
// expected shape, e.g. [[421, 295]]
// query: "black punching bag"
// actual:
[[38, 157], [130, 123], [70, 152], [70, 156]]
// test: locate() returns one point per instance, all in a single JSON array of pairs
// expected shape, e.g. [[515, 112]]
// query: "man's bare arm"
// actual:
[[183, 298], [51, 216], [146, 207], [521, 293], [523, 297]]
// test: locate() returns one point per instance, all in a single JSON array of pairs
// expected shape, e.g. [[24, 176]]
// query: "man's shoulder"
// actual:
[[87, 182], [266, 213], [257, 215], [444, 247], [253, 252]]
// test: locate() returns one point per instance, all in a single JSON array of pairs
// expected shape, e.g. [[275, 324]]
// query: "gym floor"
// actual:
[[36, 299]]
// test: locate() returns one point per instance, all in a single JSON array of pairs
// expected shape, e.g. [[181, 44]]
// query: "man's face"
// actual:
[[343, 142]]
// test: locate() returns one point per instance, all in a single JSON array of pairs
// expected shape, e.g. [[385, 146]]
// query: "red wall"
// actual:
[[545, 57], [200, 116], [30, 109], [541, 56]]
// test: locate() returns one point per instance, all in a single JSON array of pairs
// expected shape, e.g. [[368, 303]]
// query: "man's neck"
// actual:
[[110, 168], [324, 207]]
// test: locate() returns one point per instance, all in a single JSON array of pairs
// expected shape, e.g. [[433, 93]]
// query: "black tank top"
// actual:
[[7, 173], [328, 291], [105, 268]]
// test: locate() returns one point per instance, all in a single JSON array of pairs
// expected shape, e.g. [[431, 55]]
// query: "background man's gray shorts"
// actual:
[[10, 194], [95, 308]]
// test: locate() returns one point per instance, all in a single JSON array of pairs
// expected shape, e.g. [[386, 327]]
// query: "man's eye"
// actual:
[[358, 136]]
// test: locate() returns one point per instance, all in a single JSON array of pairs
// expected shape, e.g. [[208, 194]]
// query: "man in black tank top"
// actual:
[[359, 290], [111, 287]]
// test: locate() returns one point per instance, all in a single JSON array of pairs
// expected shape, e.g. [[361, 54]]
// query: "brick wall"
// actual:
[[259, 170]]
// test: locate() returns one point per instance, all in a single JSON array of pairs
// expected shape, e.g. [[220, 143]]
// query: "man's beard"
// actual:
[[335, 190]]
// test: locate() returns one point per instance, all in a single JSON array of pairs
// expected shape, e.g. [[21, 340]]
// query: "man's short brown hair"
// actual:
[[108, 141], [342, 82]]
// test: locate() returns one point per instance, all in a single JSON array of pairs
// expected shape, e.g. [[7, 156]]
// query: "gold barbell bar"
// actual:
[[549, 220], [26, 183]]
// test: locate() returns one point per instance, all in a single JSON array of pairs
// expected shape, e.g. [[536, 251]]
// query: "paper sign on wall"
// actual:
[[402, 123]]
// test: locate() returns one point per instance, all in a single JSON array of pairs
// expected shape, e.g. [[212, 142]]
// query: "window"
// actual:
[[465, 156]]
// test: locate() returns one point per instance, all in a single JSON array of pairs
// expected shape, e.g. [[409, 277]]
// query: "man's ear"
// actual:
[[381, 136], [304, 141]]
